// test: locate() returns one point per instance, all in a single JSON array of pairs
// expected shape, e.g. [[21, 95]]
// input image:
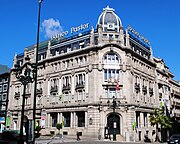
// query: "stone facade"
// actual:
[[78, 77], [4, 86]]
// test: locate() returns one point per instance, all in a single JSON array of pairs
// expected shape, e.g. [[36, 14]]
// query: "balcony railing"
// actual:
[[80, 85], [39, 91], [151, 91], [137, 87], [54, 89], [17, 94], [144, 89], [66, 87], [28, 94]]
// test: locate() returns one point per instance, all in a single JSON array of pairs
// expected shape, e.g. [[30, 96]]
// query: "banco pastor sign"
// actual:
[[72, 30]]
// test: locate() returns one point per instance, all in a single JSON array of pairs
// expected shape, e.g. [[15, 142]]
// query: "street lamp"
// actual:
[[114, 105], [35, 83], [25, 74]]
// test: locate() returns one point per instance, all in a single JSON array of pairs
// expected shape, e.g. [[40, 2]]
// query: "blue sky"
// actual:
[[156, 20]]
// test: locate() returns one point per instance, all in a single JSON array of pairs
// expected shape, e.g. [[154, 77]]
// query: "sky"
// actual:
[[156, 20]]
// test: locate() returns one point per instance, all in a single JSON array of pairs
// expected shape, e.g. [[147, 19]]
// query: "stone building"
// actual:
[[78, 77], [4, 86]]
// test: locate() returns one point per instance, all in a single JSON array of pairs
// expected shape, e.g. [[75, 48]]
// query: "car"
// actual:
[[174, 139], [9, 135]]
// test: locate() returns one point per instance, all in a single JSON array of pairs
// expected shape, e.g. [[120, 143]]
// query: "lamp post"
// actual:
[[36, 62], [114, 105], [25, 74]]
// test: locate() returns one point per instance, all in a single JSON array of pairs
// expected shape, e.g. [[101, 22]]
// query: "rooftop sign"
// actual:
[[138, 35], [72, 30]]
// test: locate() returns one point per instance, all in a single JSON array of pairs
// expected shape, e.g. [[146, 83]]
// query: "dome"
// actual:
[[109, 20]]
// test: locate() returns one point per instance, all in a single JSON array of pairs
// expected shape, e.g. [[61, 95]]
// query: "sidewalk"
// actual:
[[72, 138], [66, 138]]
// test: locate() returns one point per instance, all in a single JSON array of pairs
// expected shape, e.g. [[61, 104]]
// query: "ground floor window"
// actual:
[[67, 119], [81, 118], [54, 119]]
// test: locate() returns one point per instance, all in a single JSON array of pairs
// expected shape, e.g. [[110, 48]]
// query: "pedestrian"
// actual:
[[78, 136], [109, 135]]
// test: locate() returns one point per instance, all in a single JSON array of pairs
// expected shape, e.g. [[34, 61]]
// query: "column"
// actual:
[[142, 119], [72, 85], [139, 122], [148, 122], [61, 117], [86, 82], [60, 87], [48, 120], [86, 119], [58, 117], [75, 120], [72, 125], [48, 87]]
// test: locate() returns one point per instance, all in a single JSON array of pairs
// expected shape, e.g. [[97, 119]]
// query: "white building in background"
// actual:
[[78, 75]]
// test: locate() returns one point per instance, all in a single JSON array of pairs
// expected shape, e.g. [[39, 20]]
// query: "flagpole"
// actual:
[[35, 82]]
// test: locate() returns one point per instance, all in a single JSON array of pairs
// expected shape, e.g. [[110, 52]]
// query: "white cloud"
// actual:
[[51, 27]]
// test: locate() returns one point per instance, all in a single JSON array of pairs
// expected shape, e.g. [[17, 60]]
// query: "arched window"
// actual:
[[111, 58]]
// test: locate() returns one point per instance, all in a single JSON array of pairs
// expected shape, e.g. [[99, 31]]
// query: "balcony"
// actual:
[[54, 89], [151, 91], [39, 91], [28, 94], [66, 87], [137, 87], [17, 95], [80, 85], [144, 89]]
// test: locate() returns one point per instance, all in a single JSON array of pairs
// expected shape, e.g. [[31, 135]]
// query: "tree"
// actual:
[[158, 118], [59, 126]]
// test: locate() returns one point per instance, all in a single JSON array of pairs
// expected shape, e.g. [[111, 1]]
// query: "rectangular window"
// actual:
[[5, 79], [138, 119], [116, 36], [110, 92], [4, 97], [0, 88], [105, 75], [54, 119], [117, 74], [5, 87], [145, 120], [0, 97], [79, 93], [67, 119], [81, 118], [111, 73], [3, 107], [81, 44]]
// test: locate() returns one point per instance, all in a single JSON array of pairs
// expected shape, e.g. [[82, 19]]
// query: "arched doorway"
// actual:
[[113, 120]]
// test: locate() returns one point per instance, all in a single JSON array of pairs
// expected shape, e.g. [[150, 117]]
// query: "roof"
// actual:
[[108, 17], [4, 69]]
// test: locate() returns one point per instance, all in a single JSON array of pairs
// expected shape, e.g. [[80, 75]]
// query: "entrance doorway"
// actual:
[[113, 121]]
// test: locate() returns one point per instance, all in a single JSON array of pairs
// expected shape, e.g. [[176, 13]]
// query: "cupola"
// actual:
[[109, 20]]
